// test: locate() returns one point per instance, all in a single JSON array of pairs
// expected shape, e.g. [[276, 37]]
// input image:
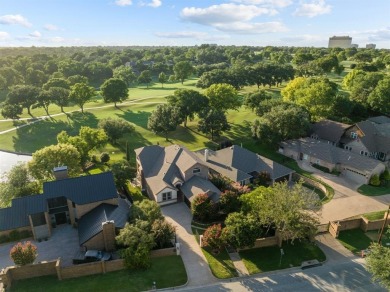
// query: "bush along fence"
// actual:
[[46, 268]]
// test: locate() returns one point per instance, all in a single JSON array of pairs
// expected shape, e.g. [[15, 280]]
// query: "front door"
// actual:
[[61, 218]]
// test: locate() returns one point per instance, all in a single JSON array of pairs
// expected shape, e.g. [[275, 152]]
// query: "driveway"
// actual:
[[347, 202], [64, 243], [198, 270]]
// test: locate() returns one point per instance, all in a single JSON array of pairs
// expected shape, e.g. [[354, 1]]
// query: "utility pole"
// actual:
[[384, 226]]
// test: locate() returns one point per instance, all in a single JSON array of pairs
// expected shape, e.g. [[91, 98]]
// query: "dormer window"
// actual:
[[354, 135], [196, 170]]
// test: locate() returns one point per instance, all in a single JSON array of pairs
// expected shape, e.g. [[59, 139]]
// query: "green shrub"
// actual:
[[104, 157], [385, 176], [374, 180]]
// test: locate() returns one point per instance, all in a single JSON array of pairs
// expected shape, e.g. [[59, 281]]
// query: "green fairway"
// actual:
[[166, 272]]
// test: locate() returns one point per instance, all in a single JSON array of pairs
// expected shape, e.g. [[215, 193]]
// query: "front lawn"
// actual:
[[265, 259], [165, 271], [221, 265], [369, 190], [355, 240]]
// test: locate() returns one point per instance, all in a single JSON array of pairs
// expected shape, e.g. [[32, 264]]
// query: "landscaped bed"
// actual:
[[265, 259], [165, 272]]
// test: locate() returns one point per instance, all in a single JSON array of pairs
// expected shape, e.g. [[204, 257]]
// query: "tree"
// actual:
[[56, 82], [212, 237], [183, 70], [241, 230], [23, 253], [164, 120], [162, 78], [253, 100], [11, 111], [223, 97], [146, 210], [188, 102], [378, 263], [229, 202], [115, 128], [145, 77], [288, 209], [202, 207], [46, 159], [283, 122], [122, 172], [80, 93], [317, 95], [125, 73], [74, 79], [379, 98], [23, 95], [114, 90], [16, 183], [60, 96], [136, 257], [163, 233], [374, 180], [213, 122], [44, 100]]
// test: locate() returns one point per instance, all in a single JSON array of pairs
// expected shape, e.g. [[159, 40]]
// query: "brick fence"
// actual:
[[10, 274]]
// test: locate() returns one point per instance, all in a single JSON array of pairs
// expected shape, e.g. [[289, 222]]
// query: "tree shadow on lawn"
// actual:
[[139, 118], [38, 135], [77, 120]]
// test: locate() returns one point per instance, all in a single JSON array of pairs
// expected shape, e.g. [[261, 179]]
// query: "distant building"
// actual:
[[354, 46], [343, 42], [370, 46]]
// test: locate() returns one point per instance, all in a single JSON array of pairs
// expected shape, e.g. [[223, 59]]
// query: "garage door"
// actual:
[[355, 176]]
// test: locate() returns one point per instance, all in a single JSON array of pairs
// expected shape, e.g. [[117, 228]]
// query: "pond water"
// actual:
[[8, 160]]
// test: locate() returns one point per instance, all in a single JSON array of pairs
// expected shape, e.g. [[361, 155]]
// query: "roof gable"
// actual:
[[329, 130]]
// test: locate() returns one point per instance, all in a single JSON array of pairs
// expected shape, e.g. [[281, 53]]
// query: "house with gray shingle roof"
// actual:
[[241, 165], [354, 166], [90, 202], [166, 173], [369, 138], [328, 131], [169, 173]]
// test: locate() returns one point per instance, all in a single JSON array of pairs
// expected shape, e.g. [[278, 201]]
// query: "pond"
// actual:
[[8, 160]]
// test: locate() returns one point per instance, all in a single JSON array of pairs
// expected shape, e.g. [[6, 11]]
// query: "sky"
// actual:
[[192, 22]]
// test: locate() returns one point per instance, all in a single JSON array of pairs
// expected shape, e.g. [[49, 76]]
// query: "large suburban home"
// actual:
[[167, 173], [354, 166], [242, 166], [90, 203], [173, 173], [369, 138]]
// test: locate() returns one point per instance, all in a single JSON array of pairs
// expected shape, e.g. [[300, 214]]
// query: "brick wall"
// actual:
[[362, 223], [82, 270], [115, 265], [297, 177], [96, 242]]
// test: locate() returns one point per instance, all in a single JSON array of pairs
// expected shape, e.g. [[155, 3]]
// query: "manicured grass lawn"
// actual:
[[369, 190], [374, 236], [165, 271], [221, 265], [355, 240], [374, 215], [265, 259]]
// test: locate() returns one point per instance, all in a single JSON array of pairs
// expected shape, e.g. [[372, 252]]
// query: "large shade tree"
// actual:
[[23, 95], [213, 121], [223, 97], [183, 70], [114, 90], [81, 93], [164, 119]]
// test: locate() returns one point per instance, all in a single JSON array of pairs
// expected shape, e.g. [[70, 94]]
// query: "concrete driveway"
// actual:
[[198, 270], [64, 243], [347, 202]]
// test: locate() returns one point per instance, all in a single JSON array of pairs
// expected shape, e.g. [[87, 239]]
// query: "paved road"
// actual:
[[342, 276], [347, 202], [198, 270]]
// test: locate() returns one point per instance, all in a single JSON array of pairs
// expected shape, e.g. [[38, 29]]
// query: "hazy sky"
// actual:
[[192, 22]]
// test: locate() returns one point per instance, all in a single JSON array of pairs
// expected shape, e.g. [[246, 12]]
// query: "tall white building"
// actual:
[[343, 42]]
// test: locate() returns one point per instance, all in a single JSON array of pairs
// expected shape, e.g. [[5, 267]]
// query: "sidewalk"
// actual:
[[238, 264]]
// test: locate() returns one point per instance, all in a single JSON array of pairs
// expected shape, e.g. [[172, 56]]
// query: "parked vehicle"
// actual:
[[91, 256]]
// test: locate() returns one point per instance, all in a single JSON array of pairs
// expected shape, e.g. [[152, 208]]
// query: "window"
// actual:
[[167, 196], [354, 135], [196, 170], [361, 152]]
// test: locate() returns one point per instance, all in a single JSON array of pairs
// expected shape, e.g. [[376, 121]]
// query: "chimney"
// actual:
[[109, 235], [60, 172], [206, 154]]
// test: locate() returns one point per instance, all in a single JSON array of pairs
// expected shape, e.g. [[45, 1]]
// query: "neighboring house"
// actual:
[[89, 202], [352, 165], [328, 131], [168, 173], [242, 166], [369, 138]]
